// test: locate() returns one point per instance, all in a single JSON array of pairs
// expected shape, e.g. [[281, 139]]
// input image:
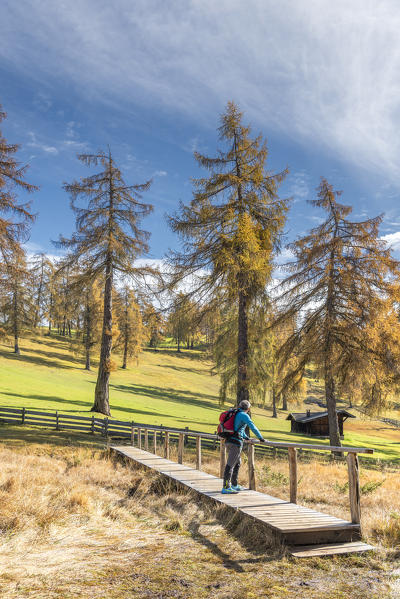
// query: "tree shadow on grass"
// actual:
[[184, 353], [38, 361], [54, 398], [171, 395], [184, 369]]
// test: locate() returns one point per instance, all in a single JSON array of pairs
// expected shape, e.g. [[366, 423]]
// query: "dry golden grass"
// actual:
[[77, 524]]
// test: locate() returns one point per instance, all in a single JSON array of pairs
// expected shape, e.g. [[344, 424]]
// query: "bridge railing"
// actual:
[[141, 435], [148, 436]]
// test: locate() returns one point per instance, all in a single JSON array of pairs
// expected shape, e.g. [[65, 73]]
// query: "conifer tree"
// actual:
[[109, 240], [153, 322], [15, 217], [341, 275], [17, 306], [41, 269], [231, 228], [130, 325]]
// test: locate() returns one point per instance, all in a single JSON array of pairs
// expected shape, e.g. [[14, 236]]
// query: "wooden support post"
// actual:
[[146, 439], [139, 438], [222, 458], [198, 453], [92, 426], [23, 416], [252, 474], [166, 445], [292, 455], [180, 448], [354, 488], [57, 422], [106, 427], [132, 435], [155, 443]]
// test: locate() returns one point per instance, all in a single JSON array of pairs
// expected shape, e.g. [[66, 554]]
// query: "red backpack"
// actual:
[[226, 423]]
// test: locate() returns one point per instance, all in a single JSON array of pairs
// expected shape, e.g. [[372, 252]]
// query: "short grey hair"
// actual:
[[244, 404]]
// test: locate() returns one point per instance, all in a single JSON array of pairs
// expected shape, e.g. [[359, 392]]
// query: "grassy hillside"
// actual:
[[165, 388]]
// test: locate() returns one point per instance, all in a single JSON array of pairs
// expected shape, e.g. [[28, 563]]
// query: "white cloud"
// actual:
[[393, 240], [322, 72], [34, 143], [159, 174]]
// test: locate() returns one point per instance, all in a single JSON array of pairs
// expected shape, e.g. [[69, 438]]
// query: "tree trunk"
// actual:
[[179, 346], [284, 402], [192, 344], [188, 344], [330, 398], [125, 352], [16, 323], [88, 335], [101, 398], [243, 350], [274, 412]]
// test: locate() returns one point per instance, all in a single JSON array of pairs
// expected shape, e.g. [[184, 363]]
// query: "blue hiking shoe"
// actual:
[[229, 491], [237, 488]]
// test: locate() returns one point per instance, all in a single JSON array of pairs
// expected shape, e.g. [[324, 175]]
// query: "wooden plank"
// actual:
[[354, 488], [252, 473], [330, 549], [180, 448], [155, 442], [198, 453], [166, 445], [146, 439], [139, 438], [292, 455]]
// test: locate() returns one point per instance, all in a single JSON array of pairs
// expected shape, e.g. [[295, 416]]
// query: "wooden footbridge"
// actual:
[[305, 531]]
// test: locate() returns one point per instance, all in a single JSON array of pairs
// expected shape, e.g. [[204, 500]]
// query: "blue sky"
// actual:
[[320, 80]]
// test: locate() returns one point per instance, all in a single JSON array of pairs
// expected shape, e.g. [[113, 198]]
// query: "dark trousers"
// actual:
[[233, 462]]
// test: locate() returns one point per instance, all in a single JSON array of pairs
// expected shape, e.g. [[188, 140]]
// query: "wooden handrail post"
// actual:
[[292, 455], [106, 427], [198, 453], [132, 435], [354, 488], [146, 439], [252, 474], [23, 416], [57, 422], [155, 443], [139, 438], [166, 445], [222, 458], [92, 426], [180, 447]]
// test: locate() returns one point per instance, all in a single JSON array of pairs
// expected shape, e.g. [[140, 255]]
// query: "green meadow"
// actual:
[[167, 388]]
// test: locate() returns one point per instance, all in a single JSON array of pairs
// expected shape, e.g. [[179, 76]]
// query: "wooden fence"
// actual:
[[149, 436]]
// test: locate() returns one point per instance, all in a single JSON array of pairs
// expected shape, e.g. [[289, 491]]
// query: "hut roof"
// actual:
[[308, 416]]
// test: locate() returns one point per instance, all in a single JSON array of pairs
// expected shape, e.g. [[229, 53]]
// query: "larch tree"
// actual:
[[41, 270], [130, 326], [231, 228], [341, 274], [17, 308], [109, 240], [15, 216]]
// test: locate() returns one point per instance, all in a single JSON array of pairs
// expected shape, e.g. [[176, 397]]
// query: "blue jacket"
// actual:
[[242, 420]]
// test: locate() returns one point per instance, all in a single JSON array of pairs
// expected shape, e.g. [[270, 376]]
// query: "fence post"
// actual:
[[252, 474], [292, 455], [146, 439], [57, 422], [92, 426], [132, 434], [180, 448], [155, 443], [139, 438], [354, 488], [166, 445], [23, 416], [106, 426], [222, 458], [198, 453]]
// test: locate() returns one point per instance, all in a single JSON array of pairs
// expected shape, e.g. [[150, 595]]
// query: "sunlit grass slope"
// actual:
[[164, 388]]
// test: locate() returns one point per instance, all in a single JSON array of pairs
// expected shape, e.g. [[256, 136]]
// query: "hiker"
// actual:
[[234, 445]]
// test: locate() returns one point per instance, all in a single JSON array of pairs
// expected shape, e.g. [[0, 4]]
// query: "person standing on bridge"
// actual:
[[234, 446]]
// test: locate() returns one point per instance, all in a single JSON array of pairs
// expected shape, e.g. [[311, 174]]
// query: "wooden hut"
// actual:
[[316, 423]]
